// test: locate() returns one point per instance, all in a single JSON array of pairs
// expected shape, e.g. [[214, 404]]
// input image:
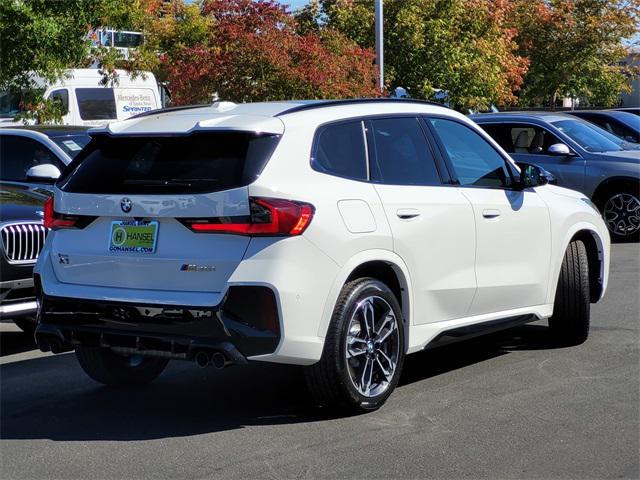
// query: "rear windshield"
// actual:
[[196, 163], [72, 144]]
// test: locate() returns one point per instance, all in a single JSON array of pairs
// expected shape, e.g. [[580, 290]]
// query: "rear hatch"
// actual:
[[129, 201]]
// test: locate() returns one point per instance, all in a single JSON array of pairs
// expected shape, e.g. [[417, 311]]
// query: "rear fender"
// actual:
[[354, 262]]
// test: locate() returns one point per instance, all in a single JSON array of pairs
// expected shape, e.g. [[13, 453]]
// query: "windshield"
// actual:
[[590, 137], [72, 144]]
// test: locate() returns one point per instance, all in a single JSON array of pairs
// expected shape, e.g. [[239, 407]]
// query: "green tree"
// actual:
[[44, 37], [461, 47], [575, 47]]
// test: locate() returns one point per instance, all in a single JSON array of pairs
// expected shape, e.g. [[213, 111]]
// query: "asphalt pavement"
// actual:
[[510, 405]]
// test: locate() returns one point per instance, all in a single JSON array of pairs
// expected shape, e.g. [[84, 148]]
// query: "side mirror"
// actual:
[[45, 173], [559, 149], [534, 176]]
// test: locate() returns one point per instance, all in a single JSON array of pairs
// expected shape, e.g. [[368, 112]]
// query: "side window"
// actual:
[[474, 161], [96, 103], [620, 130], [61, 96], [339, 149], [501, 133], [521, 138], [19, 154], [532, 139], [403, 156]]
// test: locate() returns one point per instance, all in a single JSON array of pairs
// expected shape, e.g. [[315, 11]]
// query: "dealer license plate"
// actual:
[[133, 236]]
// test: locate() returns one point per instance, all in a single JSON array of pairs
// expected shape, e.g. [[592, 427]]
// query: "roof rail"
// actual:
[[158, 111], [349, 101]]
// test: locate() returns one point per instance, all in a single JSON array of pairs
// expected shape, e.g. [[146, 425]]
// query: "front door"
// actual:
[[513, 229]]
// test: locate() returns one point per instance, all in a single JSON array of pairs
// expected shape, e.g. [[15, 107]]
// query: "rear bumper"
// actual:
[[236, 328]]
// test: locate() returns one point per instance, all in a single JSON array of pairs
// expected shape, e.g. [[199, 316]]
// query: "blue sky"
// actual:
[[294, 4]]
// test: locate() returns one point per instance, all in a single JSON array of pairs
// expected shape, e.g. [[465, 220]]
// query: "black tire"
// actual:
[[617, 204], [570, 321], [330, 381], [109, 368], [26, 324]]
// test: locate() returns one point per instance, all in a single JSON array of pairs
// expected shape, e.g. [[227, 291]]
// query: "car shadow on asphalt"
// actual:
[[16, 342], [51, 398]]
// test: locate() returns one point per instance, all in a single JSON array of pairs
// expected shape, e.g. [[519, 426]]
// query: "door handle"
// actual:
[[490, 213], [407, 213]]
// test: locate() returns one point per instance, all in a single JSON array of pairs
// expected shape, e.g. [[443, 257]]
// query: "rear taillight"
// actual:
[[56, 221], [269, 217]]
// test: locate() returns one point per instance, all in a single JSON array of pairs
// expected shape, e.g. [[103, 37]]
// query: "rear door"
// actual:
[[135, 198], [512, 226], [431, 221]]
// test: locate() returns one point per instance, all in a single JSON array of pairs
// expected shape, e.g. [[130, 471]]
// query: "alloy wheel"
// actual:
[[621, 213], [373, 346]]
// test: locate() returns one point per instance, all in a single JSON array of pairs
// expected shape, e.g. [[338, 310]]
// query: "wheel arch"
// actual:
[[610, 183], [595, 259], [597, 248], [383, 265]]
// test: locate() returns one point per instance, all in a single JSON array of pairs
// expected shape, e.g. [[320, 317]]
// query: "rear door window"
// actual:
[[96, 103], [402, 154], [196, 163], [339, 149]]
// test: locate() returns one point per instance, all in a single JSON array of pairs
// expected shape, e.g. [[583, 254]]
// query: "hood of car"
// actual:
[[22, 202]]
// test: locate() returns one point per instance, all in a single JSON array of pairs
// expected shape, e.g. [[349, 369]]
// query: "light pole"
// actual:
[[379, 43]]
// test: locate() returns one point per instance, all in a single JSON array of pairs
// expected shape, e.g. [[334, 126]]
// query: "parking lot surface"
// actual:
[[510, 405]]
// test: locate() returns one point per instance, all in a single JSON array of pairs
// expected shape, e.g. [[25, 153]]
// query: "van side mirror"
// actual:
[[559, 149], [534, 176], [45, 173]]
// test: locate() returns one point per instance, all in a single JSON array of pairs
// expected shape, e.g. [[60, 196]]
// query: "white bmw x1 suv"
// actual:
[[338, 235]]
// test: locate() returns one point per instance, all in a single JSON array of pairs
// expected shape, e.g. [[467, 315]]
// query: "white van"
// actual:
[[89, 103]]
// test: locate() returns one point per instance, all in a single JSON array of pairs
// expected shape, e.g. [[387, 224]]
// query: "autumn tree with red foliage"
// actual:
[[244, 50]]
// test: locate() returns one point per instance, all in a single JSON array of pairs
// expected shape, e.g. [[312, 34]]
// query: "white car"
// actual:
[[338, 235]]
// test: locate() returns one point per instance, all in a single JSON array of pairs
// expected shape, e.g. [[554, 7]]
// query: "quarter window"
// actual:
[[403, 156], [340, 150], [475, 162]]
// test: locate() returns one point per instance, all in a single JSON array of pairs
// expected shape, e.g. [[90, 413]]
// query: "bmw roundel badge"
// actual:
[[125, 205]]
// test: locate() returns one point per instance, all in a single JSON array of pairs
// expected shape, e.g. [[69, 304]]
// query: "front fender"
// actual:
[[601, 236]]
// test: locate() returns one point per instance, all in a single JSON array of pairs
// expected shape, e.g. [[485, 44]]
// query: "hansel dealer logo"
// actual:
[[125, 205]]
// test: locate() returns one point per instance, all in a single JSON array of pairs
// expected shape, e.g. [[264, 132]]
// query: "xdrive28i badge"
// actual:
[[125, 205]]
